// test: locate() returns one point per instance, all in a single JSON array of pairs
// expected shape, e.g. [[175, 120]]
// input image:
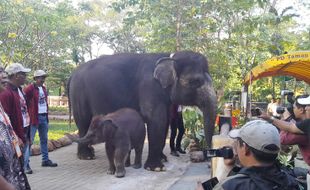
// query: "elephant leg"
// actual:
[[180, 133], [85, 152], [120, 157], [110, 153], [163, 156], [156, 128], [138, 157], [127, 164], [154, 158], [173, 133]]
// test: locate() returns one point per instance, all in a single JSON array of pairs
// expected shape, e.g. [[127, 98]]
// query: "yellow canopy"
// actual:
[[296, 64]]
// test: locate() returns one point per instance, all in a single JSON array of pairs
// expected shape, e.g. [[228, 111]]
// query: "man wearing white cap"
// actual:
[[36, 95], [257, 146], [302, 127], [14, 104]]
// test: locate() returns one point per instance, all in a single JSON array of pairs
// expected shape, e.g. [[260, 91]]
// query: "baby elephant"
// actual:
[[121, 131]]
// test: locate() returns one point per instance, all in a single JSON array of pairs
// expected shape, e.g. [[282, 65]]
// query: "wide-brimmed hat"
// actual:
[[16, 68], [258, 134], [304, 101], [39, 73]]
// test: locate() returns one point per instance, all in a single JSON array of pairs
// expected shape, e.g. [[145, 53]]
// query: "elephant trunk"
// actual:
[[208, 105], [87, 139]]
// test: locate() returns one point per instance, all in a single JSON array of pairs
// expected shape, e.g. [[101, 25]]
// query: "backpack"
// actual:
[[274, 183]]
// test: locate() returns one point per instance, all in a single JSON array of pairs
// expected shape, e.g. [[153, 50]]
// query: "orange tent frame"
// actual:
[[296, 64]]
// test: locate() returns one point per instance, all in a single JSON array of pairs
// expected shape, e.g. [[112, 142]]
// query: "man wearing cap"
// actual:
[[257, 146], [302, 127], [36, 96], [299, 128], [14, 103]]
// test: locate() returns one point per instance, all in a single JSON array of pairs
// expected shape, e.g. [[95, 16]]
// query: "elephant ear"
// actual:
[[109, 128], [165, 72]]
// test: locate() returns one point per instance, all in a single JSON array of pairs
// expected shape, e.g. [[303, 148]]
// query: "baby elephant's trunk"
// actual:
[[87, 139]]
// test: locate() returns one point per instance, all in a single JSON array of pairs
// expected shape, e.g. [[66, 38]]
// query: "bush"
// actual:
[[193, 124], [57, 110]]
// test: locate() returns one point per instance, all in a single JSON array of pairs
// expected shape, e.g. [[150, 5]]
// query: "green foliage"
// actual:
[[235, 35], [285, 159], [57, 35], [57, 110], [56, 130], [44, 35], [193, 124]]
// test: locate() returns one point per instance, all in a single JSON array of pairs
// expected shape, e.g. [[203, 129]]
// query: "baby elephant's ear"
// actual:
[[108, 128], [106, 123]]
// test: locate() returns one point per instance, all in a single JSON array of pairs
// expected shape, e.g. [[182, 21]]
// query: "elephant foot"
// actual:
[[154, 166], [120, 173], [86, 152], [137, 166], [111, 171], [127, 163], [86, 157], [156, 169]]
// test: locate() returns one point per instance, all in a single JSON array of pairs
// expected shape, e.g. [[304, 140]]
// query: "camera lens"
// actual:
[[280, 110]]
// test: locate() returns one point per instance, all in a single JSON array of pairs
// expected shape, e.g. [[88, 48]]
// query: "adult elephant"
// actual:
[[148, 83]]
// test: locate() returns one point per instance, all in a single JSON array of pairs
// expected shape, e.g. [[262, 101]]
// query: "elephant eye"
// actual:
[[195, 82]]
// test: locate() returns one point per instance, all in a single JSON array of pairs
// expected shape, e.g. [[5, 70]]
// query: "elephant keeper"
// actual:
[[36, 96], [257, 146]]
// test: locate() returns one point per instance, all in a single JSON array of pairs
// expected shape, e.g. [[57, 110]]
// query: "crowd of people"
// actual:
[[22, 113], [257, 145]]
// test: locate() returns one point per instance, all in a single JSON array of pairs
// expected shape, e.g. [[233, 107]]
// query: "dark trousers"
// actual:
[[176, 124]]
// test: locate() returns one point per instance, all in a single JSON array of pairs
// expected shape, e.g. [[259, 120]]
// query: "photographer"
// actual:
[[257, 146], [287, 138], [302, 127]]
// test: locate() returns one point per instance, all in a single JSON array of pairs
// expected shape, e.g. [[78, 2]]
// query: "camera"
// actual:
[[287, 93], [290, 99], [225, 152], [280, 110], [256, 112]]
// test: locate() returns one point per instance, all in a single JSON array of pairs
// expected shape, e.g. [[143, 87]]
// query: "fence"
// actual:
[[58, 101]]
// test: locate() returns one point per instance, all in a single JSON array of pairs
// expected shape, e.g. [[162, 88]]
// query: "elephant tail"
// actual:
[[69, 102]]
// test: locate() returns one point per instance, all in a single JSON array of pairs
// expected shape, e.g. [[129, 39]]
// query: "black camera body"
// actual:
[[225, 152], [256, 112], [280, 110], [287, 93], [290, 99]]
